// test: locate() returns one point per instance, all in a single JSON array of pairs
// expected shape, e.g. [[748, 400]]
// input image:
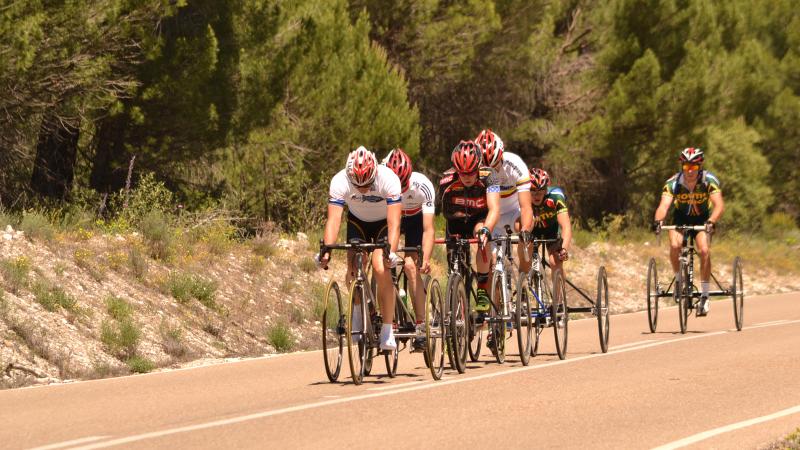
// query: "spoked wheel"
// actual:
[[737, 291], [357, 333], [601, 308], [390, 359], [475, 331], [434, 330], [652, 295], [498, 326], [522, 319], [683, 289], [541, 313], [458, 321], [559, 313], [333, 331]]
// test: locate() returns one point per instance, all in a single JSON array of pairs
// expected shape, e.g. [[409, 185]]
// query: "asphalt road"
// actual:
[[712, 387]]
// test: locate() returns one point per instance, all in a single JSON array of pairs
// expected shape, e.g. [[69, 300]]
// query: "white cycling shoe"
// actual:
[[703, 307], [387, 338]]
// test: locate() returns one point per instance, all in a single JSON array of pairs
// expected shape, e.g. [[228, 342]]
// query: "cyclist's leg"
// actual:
[[412, 229], [383, 277], [355, 231], [675, 243], [552, 256], [704, 252], [482, 263]]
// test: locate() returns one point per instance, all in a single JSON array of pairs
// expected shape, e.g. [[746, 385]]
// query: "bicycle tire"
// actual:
[[652, 295], [498, 326], [474, 331], [357, 349], [390, 359], [683, 287], [737, 292], [560, 313], [603, 316], [522, 320], [458, 322], [541, 286], [435, 329], [333, 323]]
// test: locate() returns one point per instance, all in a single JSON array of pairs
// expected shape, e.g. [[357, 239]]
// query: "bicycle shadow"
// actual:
[[373, 380]]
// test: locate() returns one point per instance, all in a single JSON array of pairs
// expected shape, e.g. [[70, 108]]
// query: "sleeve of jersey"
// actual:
[[714, 185], [429, 205], [666, 191], [335, 194], [492, 183], [393, 195], [524, 181], [561, 201]]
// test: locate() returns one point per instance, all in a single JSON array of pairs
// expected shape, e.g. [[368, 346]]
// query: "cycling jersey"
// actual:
[[510, 178], [545, 221], [470, 201], [419, 197], [691, 206], [369, 207]]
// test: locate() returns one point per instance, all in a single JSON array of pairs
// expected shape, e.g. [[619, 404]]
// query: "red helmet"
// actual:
[[492, 147], [466, 157], [361, 167], [692, 155], [400, 163], [539, 179]]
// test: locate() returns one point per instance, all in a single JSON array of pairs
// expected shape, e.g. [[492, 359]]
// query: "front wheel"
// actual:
[[601, 308], [457, 301], [357, 333], [333, 331], [496, 318], [683, 289], [559, 313], [522, 319], [435, 329], [652, 295], [737, 291]]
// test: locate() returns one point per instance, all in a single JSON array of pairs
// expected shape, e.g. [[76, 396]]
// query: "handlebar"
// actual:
[[684, 227]]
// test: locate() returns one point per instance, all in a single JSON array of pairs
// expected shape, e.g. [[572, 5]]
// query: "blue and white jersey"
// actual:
[[510, 178], [420, 196], [371, 206]]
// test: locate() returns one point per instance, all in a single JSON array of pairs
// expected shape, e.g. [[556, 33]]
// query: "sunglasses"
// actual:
[[467, 174], [687, 166]]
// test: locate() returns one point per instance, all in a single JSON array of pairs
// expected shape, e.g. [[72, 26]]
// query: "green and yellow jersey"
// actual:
[[692, 207], [545, 221]]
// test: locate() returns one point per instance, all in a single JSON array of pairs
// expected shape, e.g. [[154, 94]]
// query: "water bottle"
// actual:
[[403, 296]]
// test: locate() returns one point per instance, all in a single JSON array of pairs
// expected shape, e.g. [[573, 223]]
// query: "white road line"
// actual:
[[416, 387], [69, 443], [770, 323], [631, 344], [727, 428]]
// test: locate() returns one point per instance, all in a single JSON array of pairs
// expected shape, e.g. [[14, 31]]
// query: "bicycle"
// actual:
[[362, 339], [502, 309], [684, 292]]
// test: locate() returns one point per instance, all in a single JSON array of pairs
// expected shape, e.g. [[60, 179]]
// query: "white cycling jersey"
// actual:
[[369, 207], [420, 196], [509, 179]]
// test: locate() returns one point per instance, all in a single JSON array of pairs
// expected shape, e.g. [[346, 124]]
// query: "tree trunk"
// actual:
[[56, 153], [109, 168]]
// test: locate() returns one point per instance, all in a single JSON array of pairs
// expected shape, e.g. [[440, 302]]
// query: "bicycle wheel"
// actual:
[[601, 307], [541, 311], [391, 363], [683, 289], [333, 323], [522, 320], [458, 321], [737, 291], [358, 333], [498, 325], [434, 329], [652, 295], [474, 330], [559, 313]]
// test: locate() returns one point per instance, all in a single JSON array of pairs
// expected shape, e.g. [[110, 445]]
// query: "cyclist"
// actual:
[[417, 227], [373, 198], [511, 182], [469, 209], [550, 219], [697, 197]]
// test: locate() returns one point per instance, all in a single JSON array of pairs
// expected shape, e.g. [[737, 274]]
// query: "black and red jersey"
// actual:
[[456, 198]]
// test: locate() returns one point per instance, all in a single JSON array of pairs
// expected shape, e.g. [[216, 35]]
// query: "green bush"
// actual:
[[279, 335], [780, 227], [53, 297], [264, 247], [158, 234], [37, 226], [138, 263], [6, 219], [147, 196], [118, 308], [121, 338], [140, 364], [15, 273], [307, 264], [184, 287], [172, 341]]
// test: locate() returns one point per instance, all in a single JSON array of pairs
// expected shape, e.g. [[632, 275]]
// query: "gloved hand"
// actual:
[[710, 227], [394, 260], [483, 235], [563, 254], [657, 226], [322, 260], [525, 236]]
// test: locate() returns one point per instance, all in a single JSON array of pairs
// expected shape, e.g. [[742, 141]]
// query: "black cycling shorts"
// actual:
[[366, 231], [553, 247], [464, 227], [411, 228]]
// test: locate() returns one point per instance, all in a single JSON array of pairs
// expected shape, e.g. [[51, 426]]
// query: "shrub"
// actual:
[[53, 297], [118, 308], [263, 246], [279, 335], [184, 287], [307, 264], [15, 273], [120, 339], [147, 196], [140, 364], [6, 219], [157, 233], [172, 341], [255, 264], [83, 259], [37, 226], [318, 294], [138, 263], [780, 226]]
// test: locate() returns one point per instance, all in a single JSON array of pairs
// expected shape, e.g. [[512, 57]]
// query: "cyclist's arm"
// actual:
[[428, 234], [525, 211], [333, 223], [493, 202], [719, 206], [394, 213], [566, 229], [663, 207]]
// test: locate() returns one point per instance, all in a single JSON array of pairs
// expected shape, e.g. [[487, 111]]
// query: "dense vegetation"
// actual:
[[250, 106]]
